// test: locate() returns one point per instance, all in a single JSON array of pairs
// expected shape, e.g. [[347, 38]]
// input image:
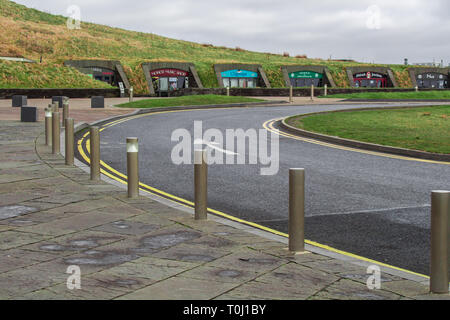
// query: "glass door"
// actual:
[[163, 84]]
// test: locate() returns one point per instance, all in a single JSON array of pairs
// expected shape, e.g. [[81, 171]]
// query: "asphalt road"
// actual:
[[373, 206]]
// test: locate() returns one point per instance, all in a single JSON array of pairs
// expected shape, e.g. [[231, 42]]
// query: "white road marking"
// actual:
[[369, 211], [212, 145]]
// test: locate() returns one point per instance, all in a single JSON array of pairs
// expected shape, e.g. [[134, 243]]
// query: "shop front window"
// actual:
[[163, 84], [239, 78], [369, 80]]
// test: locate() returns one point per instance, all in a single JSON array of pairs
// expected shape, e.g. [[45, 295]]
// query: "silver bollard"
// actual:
[[312, 92], [228, 91], [440, 212], [69, 141], [48, 126], [133, 167], [200, 185], [56, 131], [291, 94], [325, 90], [95, 153], [297, 210], [131, 91], [65, 114]]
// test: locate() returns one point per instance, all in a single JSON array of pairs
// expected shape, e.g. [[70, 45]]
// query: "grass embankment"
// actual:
[[33, 75], [187, 101], [421, 95], [426, 129], [46, 35]]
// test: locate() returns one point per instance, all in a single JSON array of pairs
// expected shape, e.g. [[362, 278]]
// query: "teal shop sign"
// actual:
[[239, 74], [305, 75]]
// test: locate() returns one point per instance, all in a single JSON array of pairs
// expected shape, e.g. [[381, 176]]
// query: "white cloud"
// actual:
[[417, 29]]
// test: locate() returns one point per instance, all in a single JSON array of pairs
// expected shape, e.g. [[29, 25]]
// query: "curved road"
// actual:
[[374, 206]]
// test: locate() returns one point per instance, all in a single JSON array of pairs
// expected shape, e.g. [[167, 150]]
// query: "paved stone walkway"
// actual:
[[52, 216]]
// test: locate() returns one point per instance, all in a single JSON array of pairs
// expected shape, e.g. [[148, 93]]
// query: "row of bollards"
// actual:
[[440, 200], [52, 138]]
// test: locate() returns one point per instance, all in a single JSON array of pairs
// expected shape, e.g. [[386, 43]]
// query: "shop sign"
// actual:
[[168, 73], [237, 73], [305, 75], [369, 75]]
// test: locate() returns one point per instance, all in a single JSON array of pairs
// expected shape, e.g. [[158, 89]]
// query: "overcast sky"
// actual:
[[382, 31]]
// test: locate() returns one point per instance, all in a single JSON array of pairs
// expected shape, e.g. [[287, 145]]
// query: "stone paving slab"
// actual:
[[53, 217]]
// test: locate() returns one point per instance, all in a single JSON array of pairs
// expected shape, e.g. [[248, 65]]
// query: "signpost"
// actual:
[[122, 89]]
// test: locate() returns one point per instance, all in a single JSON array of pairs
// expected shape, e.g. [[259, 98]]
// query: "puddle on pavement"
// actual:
[[53, 247], [120, 225], [229, 274], [102, 259], [7, 212], [72, 245], [88, 243], [166, 240]]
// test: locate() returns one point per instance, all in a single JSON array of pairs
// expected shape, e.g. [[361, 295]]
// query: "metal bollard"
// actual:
[[440, 212], [69, 141], [65, 113], [131, 91], [297, 210], [228, 91], [417, 89], [56, 131], [133, 167], [200, 185], [291, 94], [312, 92], [95, 152], [325, 90], [55, 107], [48, 127]]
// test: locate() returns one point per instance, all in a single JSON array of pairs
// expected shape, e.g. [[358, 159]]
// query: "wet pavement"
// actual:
[[53, 217]]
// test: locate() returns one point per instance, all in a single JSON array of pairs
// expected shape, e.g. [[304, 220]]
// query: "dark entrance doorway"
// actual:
[[167, 80], [432, 80], [102, 74]]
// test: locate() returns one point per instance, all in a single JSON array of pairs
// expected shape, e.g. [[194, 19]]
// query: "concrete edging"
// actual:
[[364, 145], [397, 100]]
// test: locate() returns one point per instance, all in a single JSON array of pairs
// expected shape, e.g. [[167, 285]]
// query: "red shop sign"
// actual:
[[168, 73]]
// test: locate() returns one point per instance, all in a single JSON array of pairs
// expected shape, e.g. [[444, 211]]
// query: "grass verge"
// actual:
[[425, 129], [425, 95], [187, 101]]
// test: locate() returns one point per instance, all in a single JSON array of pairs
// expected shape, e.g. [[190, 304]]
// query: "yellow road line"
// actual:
[[190, 204]]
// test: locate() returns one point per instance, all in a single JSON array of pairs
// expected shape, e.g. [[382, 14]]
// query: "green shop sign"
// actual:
[[305, 75]]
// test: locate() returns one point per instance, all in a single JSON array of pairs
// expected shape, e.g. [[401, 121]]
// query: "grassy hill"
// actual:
[[46, 35]]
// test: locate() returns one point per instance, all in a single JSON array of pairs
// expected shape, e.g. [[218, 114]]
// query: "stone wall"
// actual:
[[71, 93], [281, 92]]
